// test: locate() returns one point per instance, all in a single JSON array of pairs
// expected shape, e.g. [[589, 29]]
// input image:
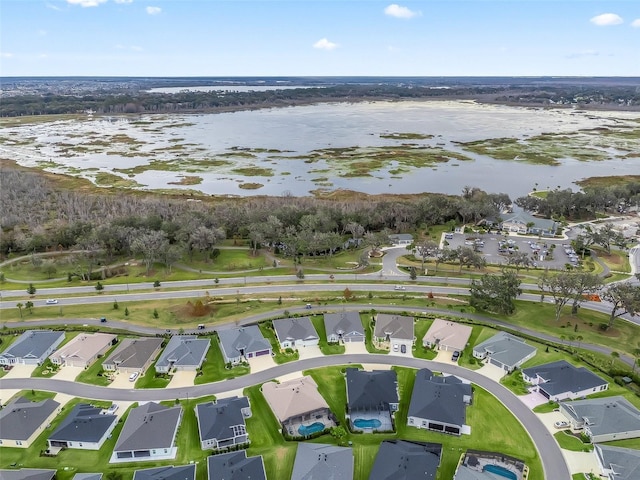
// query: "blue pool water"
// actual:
[[364, 423], [503, 472], [306, 430]]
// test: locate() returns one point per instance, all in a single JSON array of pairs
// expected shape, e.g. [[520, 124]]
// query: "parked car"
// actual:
[[133, 376], [112, 408], [561, 425], [201, 326], [395, 347], [455, 356], [399, 287], [448, 236], [403, 348], [51, 301]]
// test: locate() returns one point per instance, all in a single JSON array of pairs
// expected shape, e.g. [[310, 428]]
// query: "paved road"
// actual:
[[550, 453]]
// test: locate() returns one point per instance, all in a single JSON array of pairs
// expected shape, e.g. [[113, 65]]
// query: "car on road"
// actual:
[[133, 376], [455, 356], [103, 319], [403, 348], [201, 326], [395, 347], [308, 306], [51, 301], [399, 287], [561, 425]]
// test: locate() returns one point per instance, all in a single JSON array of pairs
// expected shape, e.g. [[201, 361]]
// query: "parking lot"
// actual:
[[497, 248]]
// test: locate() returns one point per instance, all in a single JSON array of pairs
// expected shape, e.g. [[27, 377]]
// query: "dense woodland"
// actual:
[[121, 101], [38, 216]]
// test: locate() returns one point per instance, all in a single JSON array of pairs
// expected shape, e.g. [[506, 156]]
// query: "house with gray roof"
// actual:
[[22, 421], [238, 344], [87, 476], [603, 419], [344, 327], [221, 423], [181, 472], [32, 347], [401, 238], [133, 355], [235, 466], [562, 380], [372, 398], [480, 465], [86, 427], [391, 329], [148, 434], [617, 463], [505, 351], [27, 474], [183, 352], [295, 332], [318, 461], [404, 460], [439, 403], [525, 223]]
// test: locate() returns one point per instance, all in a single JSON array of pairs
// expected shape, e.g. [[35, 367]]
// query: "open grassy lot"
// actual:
[[214, 368], [325, 347]]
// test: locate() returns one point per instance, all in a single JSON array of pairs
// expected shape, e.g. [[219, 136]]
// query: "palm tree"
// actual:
[[614, 355], [20, 305]]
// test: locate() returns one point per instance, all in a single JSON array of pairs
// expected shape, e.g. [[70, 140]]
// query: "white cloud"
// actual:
[[395, 10], [133, 48], [636, 23], [86, 3], [583, 54], [153, 10], [324, 44], [6, 55], [53, 7], [124, 1], [606, 19]]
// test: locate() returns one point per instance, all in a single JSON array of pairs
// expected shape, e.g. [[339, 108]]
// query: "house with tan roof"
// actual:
[[391, 329], [83, 350], [447, 335], [133, 355], [298, 406]]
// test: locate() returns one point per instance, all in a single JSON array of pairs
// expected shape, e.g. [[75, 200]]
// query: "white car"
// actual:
[[561, 424], [51, 301], [399, 287], [133, 376]]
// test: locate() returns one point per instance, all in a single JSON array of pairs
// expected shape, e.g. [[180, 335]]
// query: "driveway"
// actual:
[[581, 462], [311, 351], [182, 379], [20, 371], [121, 380], [68, 373], [259, 364], [533, 399], [491, 371], [355, 347]]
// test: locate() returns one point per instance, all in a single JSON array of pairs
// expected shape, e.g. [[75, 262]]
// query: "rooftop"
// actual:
[[85, 423], [33, 344], [21, 418], [371, 390], [505, 348], [394, 326], [343, 323], [445, 332], [562, 376], [149, 426], [624, 461], [403, 460], [184, 350], [322, 462], [27, 474], [182, 472], [245, 339], [134, 353], [217, 419], [293, 329], [605, 415], [235, 466], [83, 347], [294, 397]]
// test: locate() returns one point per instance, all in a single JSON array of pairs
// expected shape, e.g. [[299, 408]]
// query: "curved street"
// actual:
[[553, 461]]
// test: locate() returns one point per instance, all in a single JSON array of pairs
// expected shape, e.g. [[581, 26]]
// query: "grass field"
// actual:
[[571, 442], [325, 347], [214, 368]]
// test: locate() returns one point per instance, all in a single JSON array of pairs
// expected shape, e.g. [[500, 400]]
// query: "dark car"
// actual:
[[403, 348], [103, 319], [455, 356]]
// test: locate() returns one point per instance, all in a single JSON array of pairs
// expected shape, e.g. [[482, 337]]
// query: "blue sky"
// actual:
[[319, 37]]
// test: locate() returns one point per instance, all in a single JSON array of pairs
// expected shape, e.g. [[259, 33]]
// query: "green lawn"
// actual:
[[281, 356], [571, 442], [325, 347], [152, 380], [365, 318], [214, 368], [94, 374], [419, 351]]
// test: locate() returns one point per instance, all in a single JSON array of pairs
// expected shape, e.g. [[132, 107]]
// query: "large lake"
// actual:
[[296, 131]]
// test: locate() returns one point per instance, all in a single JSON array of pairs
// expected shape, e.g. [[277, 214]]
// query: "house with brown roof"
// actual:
[[298, 406], [133, 355], [447, 335], [83, 350]]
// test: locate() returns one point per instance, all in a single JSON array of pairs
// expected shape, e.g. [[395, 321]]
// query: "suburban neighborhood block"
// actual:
[[447, 335], [393, 330], [561, 380], [221, 423], [241, 344], [21, 421], [618, 463], [439, 403], [148, 434], [344, 327], [27, 474], [32, 348], [403, 460], [133, 355], [479, 465], [235, 466], [295, 332], [83, 350], [298, 406], [321, 461], [372, 398], [183, 353], [182, 472], [505, 351], [603, 419], [86, 427]]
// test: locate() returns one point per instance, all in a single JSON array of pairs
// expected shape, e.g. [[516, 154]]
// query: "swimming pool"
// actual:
[[367, 423], [501, 471], [306, 430]]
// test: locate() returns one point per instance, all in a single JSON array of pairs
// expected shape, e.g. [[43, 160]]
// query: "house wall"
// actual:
[[346, 338], [217, 443], [574, 395], [429, 424], [145, 455], [612, 436]]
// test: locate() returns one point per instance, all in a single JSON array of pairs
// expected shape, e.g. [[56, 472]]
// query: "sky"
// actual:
[[319, 38]]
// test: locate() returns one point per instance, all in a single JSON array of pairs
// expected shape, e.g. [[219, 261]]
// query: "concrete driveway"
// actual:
[[259, 364], [20, 371], [533, 399], [355, 347], [68, 373], [581, 462], [182, 379], [491, 371], [311, 351], [121, 380]]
